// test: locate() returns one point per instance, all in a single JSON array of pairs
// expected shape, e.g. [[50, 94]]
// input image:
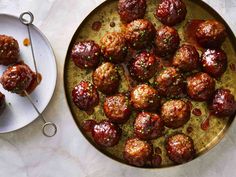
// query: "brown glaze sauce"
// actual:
[[196, 112], [36, 79], [157, 150], [96, 26], [232, 67], [90, 112], [190, 104], [35, 82], [189, 129], [131, 82], [189, 31], [164, 63], [88, 125], [112, 24]]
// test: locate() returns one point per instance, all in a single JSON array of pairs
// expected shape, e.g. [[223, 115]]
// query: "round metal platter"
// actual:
[[107, 13]]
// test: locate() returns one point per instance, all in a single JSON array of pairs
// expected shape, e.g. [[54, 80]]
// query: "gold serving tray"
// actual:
[[107, 13]]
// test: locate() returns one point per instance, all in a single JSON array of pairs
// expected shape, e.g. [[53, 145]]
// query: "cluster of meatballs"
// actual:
[[158, 104], [18, 76]]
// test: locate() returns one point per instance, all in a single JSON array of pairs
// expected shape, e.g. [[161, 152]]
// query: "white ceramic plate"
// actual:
[[19, 112]]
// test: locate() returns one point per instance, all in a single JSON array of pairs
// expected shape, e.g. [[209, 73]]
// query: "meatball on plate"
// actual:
[[9, 50], [117, 108], [144, 97], [106, 134], [19, 78], [85, 96], [223, 103], [144, 66], [2, 102], [167, 41], [137, 152], [130, 10], [86, 54], [186, 58], [180, 148], [214, 62], [211, 34], [114, 47], [171, 12], [17, 73], [164, 89], [140, 33], [106, 78], [148, 126], [200, 86], [170, 83]]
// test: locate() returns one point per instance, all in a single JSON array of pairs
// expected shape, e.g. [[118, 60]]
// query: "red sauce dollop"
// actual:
[[197, 112], [232, 67], [90, 112], [96, 26], [189, 129], [206, 123]]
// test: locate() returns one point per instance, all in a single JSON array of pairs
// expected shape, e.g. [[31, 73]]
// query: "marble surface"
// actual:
[[27, 153]]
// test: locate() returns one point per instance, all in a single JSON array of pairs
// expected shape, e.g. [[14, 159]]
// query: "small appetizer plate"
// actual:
[[19, 112]]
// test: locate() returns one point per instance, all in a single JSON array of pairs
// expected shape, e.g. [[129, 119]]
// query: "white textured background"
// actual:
[[26, 153]]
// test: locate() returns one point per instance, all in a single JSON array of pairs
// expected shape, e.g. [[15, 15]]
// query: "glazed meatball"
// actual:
[[117, 108], [223, 103], [180, 148], [175, 113], [148, 126], [17, 78], [140, 33], [106, 134], [143, 66], [85, 96], [186, 58], [169, 83], [2, 102], [211, 34], [144, 97], [137, 152], [9, 50], [86, 54], [88, 125], [106, 78], [214, 62], [200, 86], [130, 10], [167, 41], [114, 47], [171, 12]]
